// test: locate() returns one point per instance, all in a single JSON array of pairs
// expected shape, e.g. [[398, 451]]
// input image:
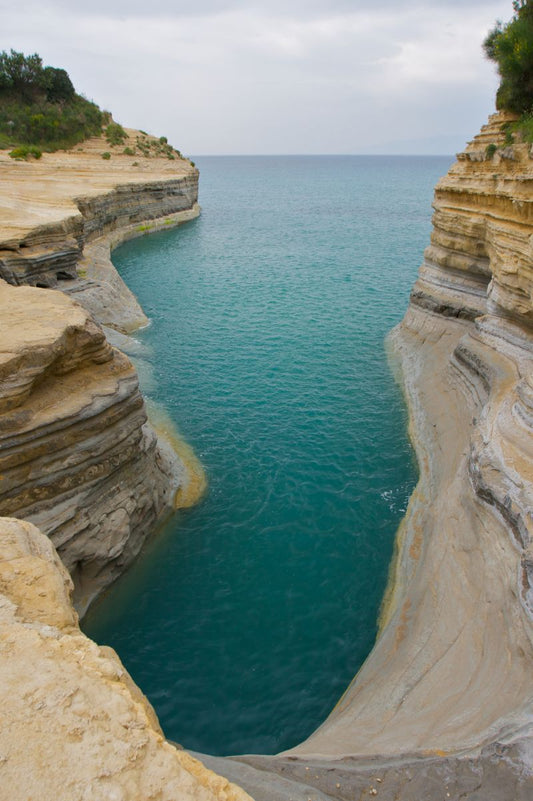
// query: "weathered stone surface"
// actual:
[[77, 456], [60, 217], [74, 725]]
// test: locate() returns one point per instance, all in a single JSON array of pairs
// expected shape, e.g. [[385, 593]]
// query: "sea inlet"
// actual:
[[246, 617]]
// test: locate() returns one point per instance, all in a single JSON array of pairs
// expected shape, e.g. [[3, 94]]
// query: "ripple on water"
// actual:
[[247, 616]]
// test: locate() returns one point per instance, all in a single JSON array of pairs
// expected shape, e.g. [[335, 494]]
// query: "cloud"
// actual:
[[223, 76]]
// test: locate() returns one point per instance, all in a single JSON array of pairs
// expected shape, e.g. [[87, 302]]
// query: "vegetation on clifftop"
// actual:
[[40, 110], [510, 46], [39, 105]]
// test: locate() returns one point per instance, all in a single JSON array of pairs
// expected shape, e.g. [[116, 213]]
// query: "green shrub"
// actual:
[[490, 150], [25, 151], [128, 151], [115, 134], [106, 155], [523, 127], [58, 85], [38, 105], [511, 47], [163, 140]]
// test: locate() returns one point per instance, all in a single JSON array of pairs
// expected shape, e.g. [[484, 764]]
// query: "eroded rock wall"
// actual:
[[61, 216], [479, 266], [74, 725], [77, 455], [46, 254]]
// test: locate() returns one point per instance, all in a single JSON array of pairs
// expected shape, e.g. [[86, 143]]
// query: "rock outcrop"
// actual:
[[74, 725], [60, 217], [77, 455], [79, 458]]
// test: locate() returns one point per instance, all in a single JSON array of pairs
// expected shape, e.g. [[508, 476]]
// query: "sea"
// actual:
[[246, 617]]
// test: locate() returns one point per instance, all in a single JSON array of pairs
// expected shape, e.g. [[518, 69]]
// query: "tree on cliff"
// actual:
[[39, 105], [511, 47]]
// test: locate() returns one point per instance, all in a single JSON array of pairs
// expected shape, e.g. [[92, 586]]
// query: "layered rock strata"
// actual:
[[77, 455], [443, 706], [61, 216], [74, 725]]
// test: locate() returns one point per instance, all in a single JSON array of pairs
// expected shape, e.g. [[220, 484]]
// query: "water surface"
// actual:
[[246, 617]]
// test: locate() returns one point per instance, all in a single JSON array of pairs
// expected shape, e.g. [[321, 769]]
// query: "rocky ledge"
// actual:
[[74, 725], [77, 455], [62, 215]]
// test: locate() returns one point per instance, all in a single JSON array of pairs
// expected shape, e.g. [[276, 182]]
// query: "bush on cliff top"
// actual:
[[25, 151], [38, 105], [511, 47]]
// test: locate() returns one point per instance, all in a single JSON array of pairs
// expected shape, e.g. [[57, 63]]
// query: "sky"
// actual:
[[274, 76]]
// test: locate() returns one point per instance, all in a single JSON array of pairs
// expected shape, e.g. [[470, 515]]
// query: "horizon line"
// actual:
[[313, 155]]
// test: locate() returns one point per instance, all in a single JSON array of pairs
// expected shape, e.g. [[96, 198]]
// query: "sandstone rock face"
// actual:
[[77, 456], [74, 725], [60, 216]]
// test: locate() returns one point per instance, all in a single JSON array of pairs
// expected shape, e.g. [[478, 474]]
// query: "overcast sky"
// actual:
[[274, 76]]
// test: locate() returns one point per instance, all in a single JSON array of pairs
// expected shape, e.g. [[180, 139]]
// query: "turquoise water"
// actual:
[[246, 617]]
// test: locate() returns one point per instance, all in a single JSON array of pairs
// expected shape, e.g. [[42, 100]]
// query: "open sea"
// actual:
[[246, 617]]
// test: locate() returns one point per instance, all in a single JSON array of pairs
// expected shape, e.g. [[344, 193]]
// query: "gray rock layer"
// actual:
[[77, 455]]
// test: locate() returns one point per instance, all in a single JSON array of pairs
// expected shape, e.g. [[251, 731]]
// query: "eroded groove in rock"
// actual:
[[77, 456], [60, 232]]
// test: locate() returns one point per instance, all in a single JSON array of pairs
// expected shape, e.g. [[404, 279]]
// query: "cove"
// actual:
[[246, 617]]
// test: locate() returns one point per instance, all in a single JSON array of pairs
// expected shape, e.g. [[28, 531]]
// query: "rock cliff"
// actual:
[[60, 217], [77, 456], [74, 725], [443, 707]]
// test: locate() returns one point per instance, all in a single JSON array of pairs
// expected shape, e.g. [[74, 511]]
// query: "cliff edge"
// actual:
[[77, 455], [75, 726], [61, 216]]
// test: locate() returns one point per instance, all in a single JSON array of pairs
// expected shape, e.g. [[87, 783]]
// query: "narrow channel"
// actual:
[[246, 617]]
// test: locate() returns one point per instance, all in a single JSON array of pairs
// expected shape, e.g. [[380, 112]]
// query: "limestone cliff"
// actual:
[[74, 725], [443, 707], [61, 215], [77, 456]]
